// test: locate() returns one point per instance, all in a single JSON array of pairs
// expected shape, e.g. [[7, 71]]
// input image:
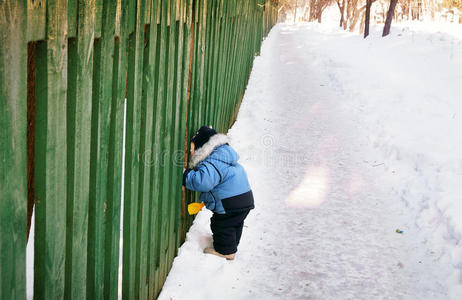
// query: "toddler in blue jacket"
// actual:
[[225, 190]]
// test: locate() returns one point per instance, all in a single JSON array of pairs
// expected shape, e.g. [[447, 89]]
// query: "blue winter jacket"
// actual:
[[214, 171]]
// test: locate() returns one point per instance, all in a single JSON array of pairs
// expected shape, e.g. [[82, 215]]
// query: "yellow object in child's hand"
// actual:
[[194, 208]]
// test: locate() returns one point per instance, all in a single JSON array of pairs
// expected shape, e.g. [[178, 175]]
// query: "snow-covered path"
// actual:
[[326, 212]]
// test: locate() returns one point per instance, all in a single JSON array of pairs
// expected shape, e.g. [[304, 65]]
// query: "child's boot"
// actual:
[[211, 250]]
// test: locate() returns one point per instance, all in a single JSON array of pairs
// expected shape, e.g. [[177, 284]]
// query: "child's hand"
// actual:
[[185, 174]]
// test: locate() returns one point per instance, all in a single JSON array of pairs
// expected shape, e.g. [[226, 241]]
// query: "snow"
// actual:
[[30, 247], [345, 140]]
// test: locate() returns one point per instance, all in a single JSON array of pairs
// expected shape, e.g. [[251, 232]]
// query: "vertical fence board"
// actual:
[[217, 92], [159, 143], [153, 72], [209, 61], [160, 151], [174, 130], [79, 137], [225, 97], [157, 69], [183, 58], [72, 12], [186, 85], [147, 108], [167, 139], [216, 63], [100, 135], [111, 263], [36, 20], [50, 155], [176, 162], [132, 160], [13, 121]]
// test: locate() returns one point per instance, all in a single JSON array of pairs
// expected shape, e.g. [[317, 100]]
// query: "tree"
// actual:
[[316, 9], [390, 14], [341, 7], [368, 17], [352, 14]]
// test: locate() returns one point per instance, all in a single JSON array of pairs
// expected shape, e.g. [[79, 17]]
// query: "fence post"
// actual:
[[13, 161]]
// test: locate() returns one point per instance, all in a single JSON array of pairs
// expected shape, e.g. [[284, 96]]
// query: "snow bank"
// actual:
[[368, 132], [405, 90]]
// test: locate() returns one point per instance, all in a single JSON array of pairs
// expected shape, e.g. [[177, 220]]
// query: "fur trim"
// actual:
[[204, 151]]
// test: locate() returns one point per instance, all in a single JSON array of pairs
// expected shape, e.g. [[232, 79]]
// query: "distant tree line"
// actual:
[[360, 12]]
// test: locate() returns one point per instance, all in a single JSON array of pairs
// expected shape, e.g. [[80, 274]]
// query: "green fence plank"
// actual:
[[154, 201], [168, 17], [79, 136], [183, 58], [221, 71], [100, 134], [209, 62], [72, 13], [173, 78], [216, 62], [98, 18], [160, 205], [118, 17], [147, 108], [167, 138], [154, 67], [192, 38], [50, 155], [177, 162], [13, 130], [228, 63], [147, 12], [111, 263], [193, 83], [132, 10], [132, 160], [36, 20]]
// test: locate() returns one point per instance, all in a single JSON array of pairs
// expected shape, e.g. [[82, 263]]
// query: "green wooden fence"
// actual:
[[65, 69]]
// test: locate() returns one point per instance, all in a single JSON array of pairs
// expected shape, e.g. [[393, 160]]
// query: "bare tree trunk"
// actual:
[[368, 18], [313, 8], [356, 14], [341, 7], [351, 15], [390, 13]]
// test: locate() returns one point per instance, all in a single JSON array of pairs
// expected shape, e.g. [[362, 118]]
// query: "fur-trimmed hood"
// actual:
[[203, 152]]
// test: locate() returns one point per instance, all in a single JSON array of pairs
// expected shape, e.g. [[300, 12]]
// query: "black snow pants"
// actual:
[[227, 230]]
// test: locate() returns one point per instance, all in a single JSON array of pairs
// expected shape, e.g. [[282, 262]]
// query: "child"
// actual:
[[214, 171]]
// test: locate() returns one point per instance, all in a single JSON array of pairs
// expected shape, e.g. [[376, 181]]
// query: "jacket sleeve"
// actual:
[[203, 179]]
